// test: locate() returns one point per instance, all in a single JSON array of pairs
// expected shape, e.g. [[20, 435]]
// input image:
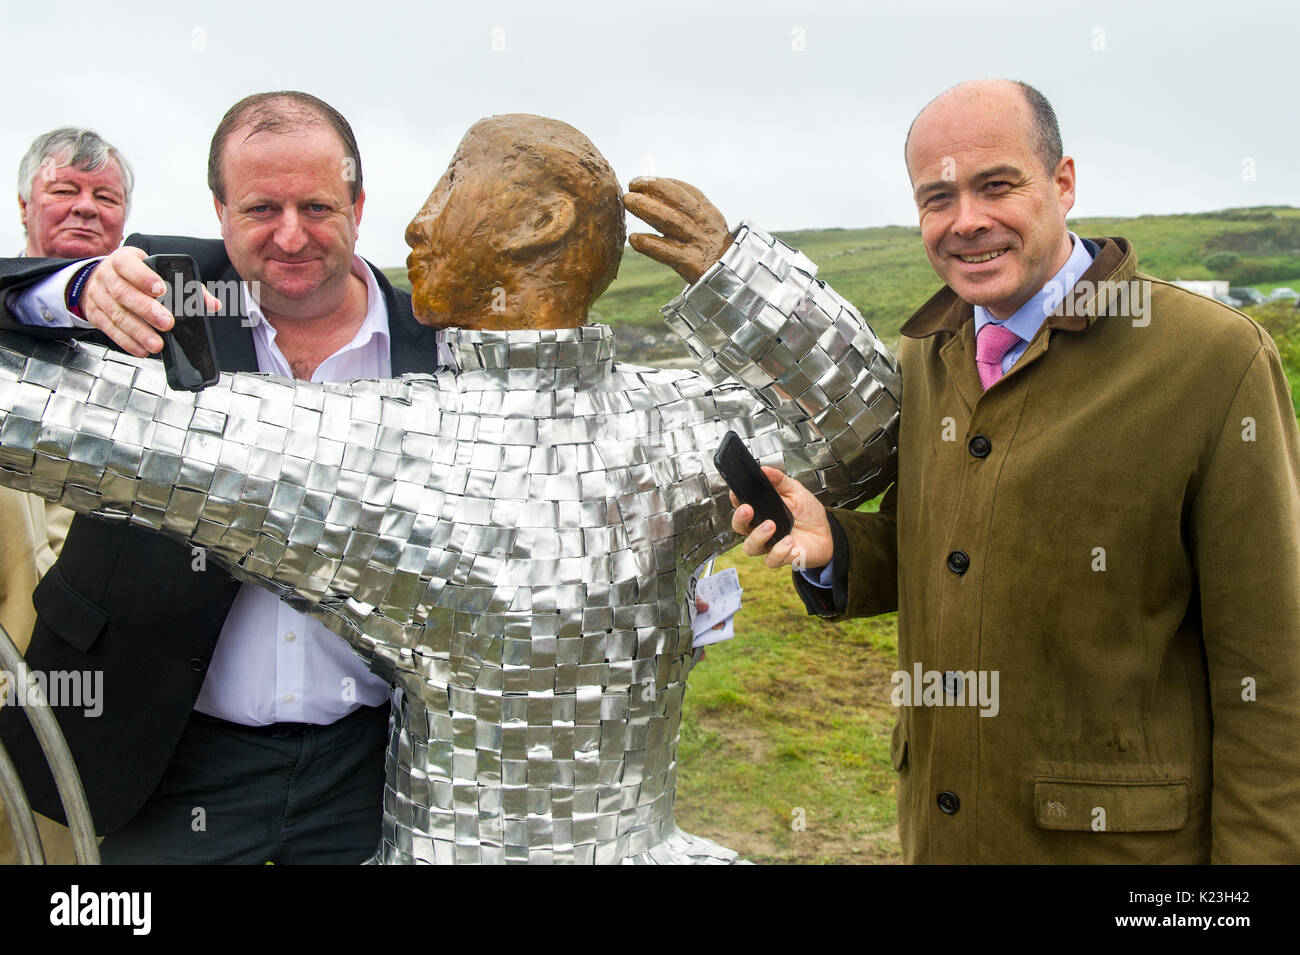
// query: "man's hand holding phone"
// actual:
[[793, 528], [807, 546], [120, 299]]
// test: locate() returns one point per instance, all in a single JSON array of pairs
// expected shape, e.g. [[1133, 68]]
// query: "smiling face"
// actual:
[[992, 218], [74, 213], [288, 220]]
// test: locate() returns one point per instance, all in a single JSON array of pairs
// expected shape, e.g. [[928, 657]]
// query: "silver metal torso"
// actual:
[[512, 543], [539, 700]]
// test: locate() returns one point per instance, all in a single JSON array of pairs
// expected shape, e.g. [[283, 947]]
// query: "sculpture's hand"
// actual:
[[807, 546], [695, 233], [120, 300], [702, 606]]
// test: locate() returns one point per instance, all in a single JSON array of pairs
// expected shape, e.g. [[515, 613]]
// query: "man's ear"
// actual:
[[1064, 180], [220, 207], [539, 224], [358, 206], [22, 212]]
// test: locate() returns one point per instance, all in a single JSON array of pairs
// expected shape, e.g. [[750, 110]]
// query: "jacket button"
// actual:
[[980, 446], [949, 802], [958, 562], [197, 665]]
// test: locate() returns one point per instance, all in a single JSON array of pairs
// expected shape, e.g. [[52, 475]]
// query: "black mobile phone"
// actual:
[[747, 481], [189, 354]]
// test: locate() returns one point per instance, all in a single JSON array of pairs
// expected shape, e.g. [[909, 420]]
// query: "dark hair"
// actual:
[[1043, 127], [1046, 130], [282, 111]]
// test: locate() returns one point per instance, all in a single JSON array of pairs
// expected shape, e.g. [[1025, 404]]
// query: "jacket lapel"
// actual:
[[232, 333], [958, 354]]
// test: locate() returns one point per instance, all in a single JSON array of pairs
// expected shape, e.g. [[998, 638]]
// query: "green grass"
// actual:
[[1282, 321], [790, 723], [397, 275]]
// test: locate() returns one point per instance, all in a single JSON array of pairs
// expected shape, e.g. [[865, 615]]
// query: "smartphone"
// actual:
[[189, 354], [747, 481]]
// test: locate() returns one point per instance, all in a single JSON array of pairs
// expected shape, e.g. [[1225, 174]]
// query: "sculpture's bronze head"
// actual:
[[525, 229]]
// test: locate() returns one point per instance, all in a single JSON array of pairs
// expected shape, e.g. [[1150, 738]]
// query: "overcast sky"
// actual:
[[792, 114]]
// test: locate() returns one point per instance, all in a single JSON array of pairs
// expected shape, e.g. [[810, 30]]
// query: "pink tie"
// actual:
[[992, 344]]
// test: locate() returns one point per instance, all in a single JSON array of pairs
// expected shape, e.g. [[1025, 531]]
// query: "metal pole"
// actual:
[[55, 748], [26, 837]]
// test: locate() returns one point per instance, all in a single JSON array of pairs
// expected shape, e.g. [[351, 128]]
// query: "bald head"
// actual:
[[538, 158], [991, 203], [1036, 112]]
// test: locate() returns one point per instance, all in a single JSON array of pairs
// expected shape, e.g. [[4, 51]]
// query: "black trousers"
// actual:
[[287, 793]]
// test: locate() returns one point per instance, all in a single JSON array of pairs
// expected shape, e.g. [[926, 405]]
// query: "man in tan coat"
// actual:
[[74, 190], [1094, 540]]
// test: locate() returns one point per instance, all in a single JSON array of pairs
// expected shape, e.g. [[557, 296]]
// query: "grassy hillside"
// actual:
[[785, 738], [1283, 323]]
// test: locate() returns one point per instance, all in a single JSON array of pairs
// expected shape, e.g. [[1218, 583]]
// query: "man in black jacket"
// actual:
[[232, 728]]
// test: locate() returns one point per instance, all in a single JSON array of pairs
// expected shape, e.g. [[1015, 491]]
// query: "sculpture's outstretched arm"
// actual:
[[761, 317], [303, 487]]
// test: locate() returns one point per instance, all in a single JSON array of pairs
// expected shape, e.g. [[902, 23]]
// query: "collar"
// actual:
[[1024, 322], [375, 324], [588, 349], [1114, 261]]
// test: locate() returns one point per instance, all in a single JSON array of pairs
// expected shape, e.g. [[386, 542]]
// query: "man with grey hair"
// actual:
[[74, 192]]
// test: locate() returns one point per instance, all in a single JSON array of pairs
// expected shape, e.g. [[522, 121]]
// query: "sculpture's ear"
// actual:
[[540, 223]]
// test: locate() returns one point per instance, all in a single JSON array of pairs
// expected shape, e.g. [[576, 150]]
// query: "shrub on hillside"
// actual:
[[1220, 261]]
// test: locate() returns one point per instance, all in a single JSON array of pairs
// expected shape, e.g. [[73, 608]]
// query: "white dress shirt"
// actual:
[[273, 664]]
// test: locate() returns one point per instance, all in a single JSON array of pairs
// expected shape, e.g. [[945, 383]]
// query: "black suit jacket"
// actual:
[[127, 602]]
